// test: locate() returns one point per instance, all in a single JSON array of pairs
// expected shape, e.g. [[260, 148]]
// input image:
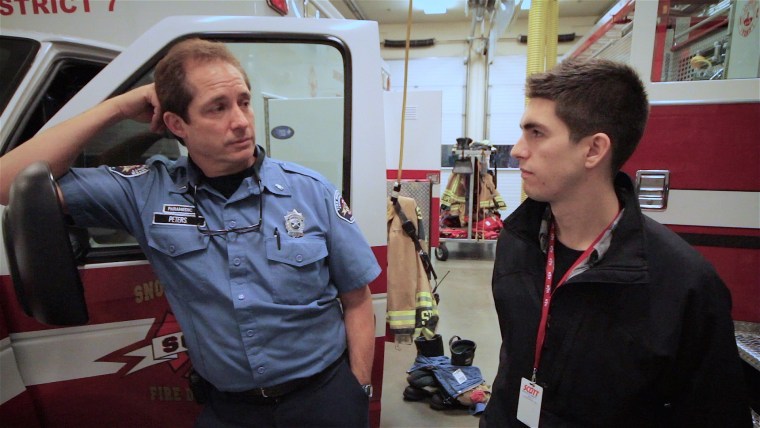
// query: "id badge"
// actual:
[[529, 404]]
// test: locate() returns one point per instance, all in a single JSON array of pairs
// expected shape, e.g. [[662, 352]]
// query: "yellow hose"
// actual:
[[537, 37], [552, 30], [537, 20]]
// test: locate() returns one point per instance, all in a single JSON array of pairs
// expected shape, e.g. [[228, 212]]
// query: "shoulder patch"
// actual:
[[341, 208], [129, 171]]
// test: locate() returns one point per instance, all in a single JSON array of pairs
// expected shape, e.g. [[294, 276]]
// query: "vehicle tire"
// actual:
[[441, 252]]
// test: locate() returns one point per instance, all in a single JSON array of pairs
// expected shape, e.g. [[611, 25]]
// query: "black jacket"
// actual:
[[643, 338]]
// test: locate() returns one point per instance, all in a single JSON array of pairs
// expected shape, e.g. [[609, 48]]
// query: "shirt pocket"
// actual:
[[176, 241], [298, 272]]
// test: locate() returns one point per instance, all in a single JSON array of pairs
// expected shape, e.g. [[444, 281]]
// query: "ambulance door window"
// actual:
[[300, 105], [16, 56], [126, 143], [69, 77], [62, 81]]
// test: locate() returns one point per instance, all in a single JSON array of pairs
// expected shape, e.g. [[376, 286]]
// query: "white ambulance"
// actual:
[[317, 100]]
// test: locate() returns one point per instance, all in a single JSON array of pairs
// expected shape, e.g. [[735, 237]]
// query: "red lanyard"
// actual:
[[548, 286]]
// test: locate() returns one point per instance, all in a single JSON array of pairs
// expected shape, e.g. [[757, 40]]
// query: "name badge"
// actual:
[[529, 404]]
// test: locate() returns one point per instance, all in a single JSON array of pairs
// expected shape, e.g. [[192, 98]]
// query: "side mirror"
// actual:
[[41, 256]]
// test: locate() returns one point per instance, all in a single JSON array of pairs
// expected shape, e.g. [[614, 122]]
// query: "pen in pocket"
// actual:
[[277, 237]]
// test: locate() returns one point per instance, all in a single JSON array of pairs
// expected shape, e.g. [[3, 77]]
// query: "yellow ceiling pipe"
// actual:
[[537, 36], [543, 24], [552, 30]]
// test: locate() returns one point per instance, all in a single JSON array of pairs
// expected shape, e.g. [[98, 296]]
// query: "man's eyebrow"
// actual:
[[215, 100], [223, 98], [530, 125]]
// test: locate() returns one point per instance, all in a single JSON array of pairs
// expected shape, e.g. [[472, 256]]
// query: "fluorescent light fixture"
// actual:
[[525, 5], [433, 7], [434, 10]]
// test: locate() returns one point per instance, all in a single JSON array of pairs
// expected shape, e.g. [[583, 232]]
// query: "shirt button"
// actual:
[[172, 249], [249, 333], [232, 223], [236, 261], [241, 296], [299, 258], [260, 370]]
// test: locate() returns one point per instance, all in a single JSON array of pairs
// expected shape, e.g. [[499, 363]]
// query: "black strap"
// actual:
[[411, 231]]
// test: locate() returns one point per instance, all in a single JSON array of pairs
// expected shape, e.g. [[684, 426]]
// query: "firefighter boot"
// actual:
[[422, 385], [429, 347]]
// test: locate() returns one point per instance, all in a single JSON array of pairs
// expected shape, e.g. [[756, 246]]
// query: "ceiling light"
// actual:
[[525, 5], [433, 7]]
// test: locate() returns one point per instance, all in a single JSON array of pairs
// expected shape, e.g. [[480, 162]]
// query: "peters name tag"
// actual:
[[529, 404]]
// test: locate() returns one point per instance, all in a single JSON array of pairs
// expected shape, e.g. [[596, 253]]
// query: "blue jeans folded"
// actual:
[[455, 380]]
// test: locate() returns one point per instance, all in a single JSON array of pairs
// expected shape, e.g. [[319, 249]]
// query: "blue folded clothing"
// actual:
[[455, 380]]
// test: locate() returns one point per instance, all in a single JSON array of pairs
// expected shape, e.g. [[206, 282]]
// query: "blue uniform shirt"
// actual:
[[255, 310]]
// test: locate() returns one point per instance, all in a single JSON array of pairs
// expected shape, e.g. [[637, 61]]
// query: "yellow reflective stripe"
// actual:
[[401, 318], [402, 314], [398, 326], [429, 334], [424, 297]]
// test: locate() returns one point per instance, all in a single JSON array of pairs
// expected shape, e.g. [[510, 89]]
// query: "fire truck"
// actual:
[[697, 167], [317, 101]]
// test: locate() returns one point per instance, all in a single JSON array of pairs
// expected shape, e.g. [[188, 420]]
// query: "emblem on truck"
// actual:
[[164, 344]]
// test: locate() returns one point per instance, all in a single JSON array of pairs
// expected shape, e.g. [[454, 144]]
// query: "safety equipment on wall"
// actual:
[[412, 305], [462, 165], [482, 195]]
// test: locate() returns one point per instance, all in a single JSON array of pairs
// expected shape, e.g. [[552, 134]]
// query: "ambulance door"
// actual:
[[127, 366], [37, 77]]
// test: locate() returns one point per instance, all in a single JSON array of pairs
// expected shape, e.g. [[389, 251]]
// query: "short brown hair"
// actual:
[[596, 96], [173, 93]]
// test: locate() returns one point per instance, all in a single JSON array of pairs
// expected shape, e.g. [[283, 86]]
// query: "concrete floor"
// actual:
[[466, 310]]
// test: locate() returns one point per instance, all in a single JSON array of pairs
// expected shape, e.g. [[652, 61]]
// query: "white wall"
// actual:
[[506, 105], [451, 38], [503, 88], [422, 130]]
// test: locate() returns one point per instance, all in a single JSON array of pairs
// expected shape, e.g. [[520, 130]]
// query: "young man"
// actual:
[[255, 285], [607, 317]]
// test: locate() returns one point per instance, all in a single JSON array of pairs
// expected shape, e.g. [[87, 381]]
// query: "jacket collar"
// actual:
[[621, 251], [186, 174]]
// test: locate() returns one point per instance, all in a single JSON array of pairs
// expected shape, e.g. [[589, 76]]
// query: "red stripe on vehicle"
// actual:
[[705, 147]]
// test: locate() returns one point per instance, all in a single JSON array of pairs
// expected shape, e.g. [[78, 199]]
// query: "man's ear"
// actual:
[[175, 124], [599, 149]]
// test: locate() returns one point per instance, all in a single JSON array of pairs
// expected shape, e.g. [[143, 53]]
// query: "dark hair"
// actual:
[[596, 96], [173, 93]]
